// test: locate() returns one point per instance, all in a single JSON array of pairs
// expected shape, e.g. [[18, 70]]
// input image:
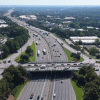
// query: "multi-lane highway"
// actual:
[[53, 53], [45, 85]]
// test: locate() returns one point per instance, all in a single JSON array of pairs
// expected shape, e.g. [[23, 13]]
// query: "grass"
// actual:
[[78, 91], [68, 55], [71, 58], [90, 56], [34, 49], [17, 59], [32, 58], [20, 88]]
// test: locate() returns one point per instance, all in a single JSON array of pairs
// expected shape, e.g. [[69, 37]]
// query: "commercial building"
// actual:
[[28, 17], [85, 39]]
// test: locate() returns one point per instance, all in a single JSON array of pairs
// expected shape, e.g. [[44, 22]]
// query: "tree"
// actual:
[[24, 57], [5, 50], [93, 51], [96, 41], [22, 70], [91, 92], [10, 45], [29, 50], [72, 25], [16, 46], [78, 42]]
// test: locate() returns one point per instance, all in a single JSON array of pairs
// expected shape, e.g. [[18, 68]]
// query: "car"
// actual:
[[36, 69], [62, 64], [96, 69], [38, 97], [54, 95], [67, 67], [31, 96], [90, 58], [29, 65], [42, 98], [75, 64], [81, 63], [61, 81]]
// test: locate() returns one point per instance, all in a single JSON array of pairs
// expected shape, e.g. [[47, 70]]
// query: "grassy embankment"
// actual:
[[77, 90], [71, 58], [18, 89], [32, 58]]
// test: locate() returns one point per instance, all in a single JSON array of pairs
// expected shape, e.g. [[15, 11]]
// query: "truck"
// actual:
[[44, 51], [38, 53], [36, 42]]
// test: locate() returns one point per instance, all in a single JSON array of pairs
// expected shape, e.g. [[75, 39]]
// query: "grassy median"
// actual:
[[31, 58], [71, 58]]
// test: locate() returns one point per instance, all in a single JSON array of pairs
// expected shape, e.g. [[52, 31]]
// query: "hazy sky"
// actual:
[[49, 2]]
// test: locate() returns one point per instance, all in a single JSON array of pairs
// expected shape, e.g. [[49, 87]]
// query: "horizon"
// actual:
[[51, 2]]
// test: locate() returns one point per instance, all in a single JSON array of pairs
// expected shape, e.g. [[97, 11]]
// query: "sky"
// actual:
[[49, 2]]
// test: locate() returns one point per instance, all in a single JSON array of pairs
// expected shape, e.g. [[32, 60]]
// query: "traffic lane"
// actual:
[[35, 87]]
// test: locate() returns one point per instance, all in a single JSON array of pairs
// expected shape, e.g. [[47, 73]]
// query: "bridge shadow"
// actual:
[[41, 76]]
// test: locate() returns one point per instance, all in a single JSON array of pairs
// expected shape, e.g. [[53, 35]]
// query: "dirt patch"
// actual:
[[11, 97]]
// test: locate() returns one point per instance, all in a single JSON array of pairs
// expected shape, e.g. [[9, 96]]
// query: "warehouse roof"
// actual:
[[84, 38]]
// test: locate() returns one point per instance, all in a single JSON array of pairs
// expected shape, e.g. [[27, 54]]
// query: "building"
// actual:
[[28, 17], [2, 21], [3, 25], [85, 39]]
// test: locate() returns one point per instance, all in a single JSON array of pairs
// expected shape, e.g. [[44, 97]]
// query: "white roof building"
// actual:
[[85, 39], [69, 18], [2, 21], [33, 17], [3, 25]]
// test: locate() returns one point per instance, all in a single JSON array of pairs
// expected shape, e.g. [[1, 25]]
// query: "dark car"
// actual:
[[29, 65], [38, 97], [61, 82]]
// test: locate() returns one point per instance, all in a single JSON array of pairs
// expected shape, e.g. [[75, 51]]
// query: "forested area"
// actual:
[[84, 16], [19, 34], [12, 77], [89, 82]]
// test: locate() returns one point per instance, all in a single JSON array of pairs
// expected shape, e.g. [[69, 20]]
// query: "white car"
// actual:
[[54, 95]]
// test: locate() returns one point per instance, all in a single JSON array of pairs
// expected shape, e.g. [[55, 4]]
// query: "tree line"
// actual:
[[19, 34], [12, 77], [88, 80]]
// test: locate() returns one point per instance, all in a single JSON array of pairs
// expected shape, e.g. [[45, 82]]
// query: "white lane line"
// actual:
[[53, 87], [43, 88]]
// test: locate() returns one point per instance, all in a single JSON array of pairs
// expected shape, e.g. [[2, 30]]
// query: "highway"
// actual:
[[45, 85], [53, 53]]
